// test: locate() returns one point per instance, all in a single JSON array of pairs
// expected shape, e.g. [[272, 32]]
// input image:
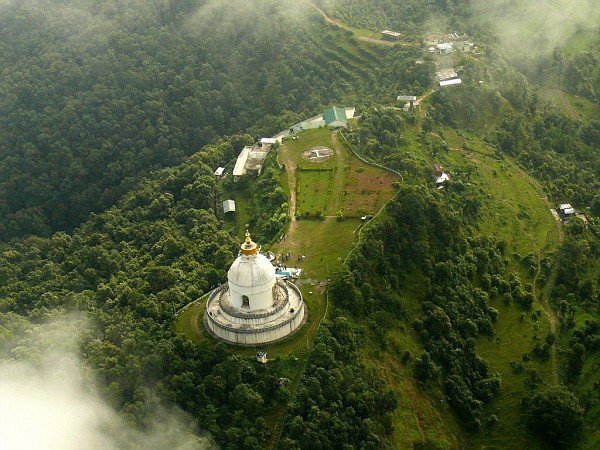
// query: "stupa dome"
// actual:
[[251, 271]]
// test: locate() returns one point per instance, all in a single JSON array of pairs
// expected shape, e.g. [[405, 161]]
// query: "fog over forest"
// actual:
[[50, 401], [535, 26]]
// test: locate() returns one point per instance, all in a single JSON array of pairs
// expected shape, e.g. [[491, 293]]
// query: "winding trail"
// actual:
[[369, 39], [543, 299], [540, 297], [328, 19], [549, 313]]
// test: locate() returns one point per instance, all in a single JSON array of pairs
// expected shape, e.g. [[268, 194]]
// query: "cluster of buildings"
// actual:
[[448, 77], [446, 48], [446, 43], [252, 158], [454, 40]]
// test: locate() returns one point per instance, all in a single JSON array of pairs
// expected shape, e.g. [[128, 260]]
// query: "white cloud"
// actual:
[[48, 401]]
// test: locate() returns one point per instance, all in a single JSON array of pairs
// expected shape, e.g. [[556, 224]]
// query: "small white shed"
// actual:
[[228, 206]]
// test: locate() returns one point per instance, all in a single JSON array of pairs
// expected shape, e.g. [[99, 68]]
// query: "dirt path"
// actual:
[[378, 41], [540, 297], [549, 315], [328, 19], [424, 97], [290, 168]]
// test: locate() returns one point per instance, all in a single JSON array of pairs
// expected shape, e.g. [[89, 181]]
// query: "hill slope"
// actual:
[[94, 96]]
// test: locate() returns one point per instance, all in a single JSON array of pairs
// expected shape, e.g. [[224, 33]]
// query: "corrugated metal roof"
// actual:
[[240, 164], [450, 82], [229, 206], [334, 114]]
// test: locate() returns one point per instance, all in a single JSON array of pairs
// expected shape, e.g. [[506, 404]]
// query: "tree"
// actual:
[[575, 361], [555, 415], [425, 368]]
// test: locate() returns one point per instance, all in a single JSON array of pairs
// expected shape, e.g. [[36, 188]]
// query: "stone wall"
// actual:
[[259, 335], [245, 329]]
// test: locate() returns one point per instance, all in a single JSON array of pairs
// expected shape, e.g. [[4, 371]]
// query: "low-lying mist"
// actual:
[[535, 26], [50, 401]]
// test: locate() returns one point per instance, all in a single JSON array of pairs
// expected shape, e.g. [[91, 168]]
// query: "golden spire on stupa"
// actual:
[[249, 247]]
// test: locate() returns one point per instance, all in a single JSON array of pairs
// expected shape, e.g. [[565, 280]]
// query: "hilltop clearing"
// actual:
[[331, 196]]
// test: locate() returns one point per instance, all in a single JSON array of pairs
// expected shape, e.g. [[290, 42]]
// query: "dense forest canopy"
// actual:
[[113, 117], [127, 271]]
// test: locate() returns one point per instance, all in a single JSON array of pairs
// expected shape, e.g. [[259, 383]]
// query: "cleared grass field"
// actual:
[[574, 106], [324, 243], [352, 186], [315, 188], [309, 139]]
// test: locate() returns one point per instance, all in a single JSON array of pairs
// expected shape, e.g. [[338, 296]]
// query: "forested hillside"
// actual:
[[95, 94], [413, 18], [560, 150], [127, 271], [463, 314]]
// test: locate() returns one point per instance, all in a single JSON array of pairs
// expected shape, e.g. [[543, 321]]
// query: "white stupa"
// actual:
[[254, 307]]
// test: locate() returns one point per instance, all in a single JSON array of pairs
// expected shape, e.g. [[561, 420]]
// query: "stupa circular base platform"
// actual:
[[282, 319]]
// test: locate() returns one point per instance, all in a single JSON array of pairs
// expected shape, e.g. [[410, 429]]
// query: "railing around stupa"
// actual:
[[242, 330]]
